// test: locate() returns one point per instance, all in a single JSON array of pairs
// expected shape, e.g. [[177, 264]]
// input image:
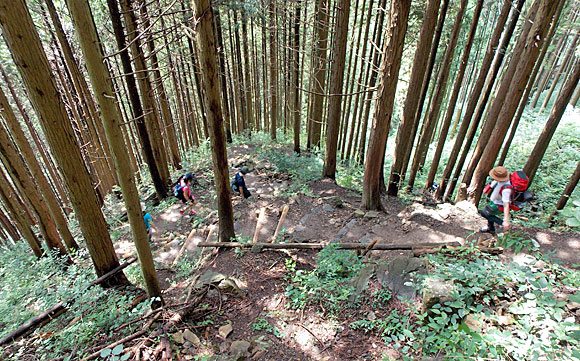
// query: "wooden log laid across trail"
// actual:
[[259, 224], [376, 247], [280, 222]]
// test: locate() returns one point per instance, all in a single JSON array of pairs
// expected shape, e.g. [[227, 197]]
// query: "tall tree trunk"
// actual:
[[26, 48], [206, 41], [163, 99], [248, 92], [296, 77], [454, 95], [543, 141], [336, 82], [103, 88], [424, 87], [9, 198], [431, 119], [413, 94], [223, 80], [389, 76], [273, 70], [485, 78], [319, 64], [146, 90], [572, 183], [504, 107], [40, 179], [530, 85], [157, 178]]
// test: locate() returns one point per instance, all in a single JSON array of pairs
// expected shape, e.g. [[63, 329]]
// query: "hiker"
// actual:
[[182, 190], [506, 192], [148, 223], [239, 184]]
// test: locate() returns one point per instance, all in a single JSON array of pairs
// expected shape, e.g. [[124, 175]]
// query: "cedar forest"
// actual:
[[365, 131]]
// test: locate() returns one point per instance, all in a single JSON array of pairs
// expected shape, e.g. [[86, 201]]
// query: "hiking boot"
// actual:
[[486, 229]]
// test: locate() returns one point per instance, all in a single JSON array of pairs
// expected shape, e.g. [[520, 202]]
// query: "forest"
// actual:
[[289, 180]]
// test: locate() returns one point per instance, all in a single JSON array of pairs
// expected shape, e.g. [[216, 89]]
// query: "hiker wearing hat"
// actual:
[[500, 196], [239, 184]]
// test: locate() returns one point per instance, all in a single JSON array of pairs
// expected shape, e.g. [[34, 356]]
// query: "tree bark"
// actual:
[[296, 78], [389, 76], [206, 40], [454, 95], [413, 94], [336, 82], [511, 89], [319, 65], [103, 88], [543, 141], [26, 48], [273, 70], [431, 119], [567, 193], [144, 137]]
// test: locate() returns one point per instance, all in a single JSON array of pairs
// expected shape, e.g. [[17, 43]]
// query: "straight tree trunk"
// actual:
[[531, 83], [206, 41], [26, 48], [103, 88], [248, 91], [454, 95], [146, 90], [431, 119], [144, 137], [273, 70], [296, 77], [572, 183], [413, 94], [504, 107], [425, 88], [40, 179], [223, 80], [319, 65], [18, 212], [543, 141], [389, 76], [486, 79], [336, 82]]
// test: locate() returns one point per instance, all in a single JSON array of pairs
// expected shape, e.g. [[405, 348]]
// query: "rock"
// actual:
[[359, 213], [239, 350], [178, 337], [328, 208], [561, 297], [473, 322], [505, 320], [371, 214], [572, 306], [371, 316], [400, 271], [299, 228], [436, 291], [344, 230], [361, 282], [225, 330], [191, 337]]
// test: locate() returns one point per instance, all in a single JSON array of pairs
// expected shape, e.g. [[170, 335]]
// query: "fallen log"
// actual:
[[376, 247], [57, 309], [280, 222], [185, 244], [259, 224]]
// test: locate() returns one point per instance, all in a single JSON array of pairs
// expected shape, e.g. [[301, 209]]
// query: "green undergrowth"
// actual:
[[30, 287], [499, 311]]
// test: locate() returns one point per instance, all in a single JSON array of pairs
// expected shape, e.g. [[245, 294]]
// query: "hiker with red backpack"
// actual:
[[182, 190], [506, 192]]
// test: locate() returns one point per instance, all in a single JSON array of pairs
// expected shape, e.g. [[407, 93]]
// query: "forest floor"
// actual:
[[252, 309], [326, 213]]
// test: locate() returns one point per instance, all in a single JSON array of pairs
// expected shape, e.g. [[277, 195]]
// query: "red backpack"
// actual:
[[519, 185]]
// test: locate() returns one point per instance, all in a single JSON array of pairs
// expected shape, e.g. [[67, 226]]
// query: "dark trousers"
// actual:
[[489, 214]]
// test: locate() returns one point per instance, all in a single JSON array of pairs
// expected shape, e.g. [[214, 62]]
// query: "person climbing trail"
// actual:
[[239, 183], [182, 191], [506, 192], [149, 223]]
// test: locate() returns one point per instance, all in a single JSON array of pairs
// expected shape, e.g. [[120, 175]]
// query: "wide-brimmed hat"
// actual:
[[499, 174]]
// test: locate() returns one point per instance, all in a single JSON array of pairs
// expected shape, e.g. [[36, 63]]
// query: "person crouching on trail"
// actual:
[[239, 184], [500, 196], [182, 191]]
